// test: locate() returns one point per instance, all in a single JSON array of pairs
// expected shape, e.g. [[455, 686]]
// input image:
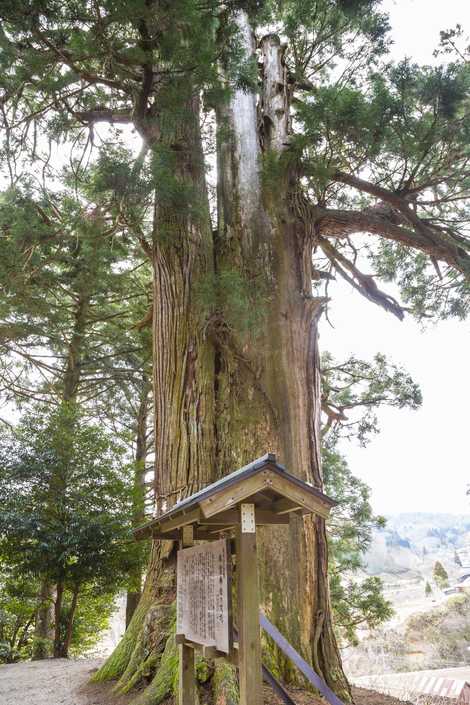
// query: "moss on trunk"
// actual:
[[225, 684]]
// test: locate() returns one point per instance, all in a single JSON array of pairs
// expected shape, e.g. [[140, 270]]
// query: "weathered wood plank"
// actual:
[[186, 674], [299, 496], [231, 496], [180, 520], [231, 517], [186, 680]]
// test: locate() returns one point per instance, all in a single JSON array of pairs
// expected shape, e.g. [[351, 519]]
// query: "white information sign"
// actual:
[[203, 595]]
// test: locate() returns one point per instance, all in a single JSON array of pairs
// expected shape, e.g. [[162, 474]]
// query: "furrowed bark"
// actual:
[[183, 385]]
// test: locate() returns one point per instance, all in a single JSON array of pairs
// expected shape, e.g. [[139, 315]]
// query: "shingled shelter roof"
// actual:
[[264, 482]]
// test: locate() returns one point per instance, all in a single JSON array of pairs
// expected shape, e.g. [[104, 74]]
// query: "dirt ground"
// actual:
[[54, 682], [65, 682]]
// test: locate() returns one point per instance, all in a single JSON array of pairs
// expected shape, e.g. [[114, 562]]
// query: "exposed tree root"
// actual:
[[149, 646], [165, 681], [225, 684]]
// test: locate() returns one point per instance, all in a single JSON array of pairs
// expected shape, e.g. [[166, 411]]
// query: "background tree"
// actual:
[[440, 576], [73, 293], [18, 604], [356, 603], [427, 589], [352, 391], [82, 537]]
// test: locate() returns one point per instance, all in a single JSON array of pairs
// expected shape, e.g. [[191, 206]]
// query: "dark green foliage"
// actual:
[[427, 589], [427, 291], [65, 502], [355, 603], [18, 600], [358, 604], [401, 127], [69, 285], [440, 575], [65, 515], [352, 390]]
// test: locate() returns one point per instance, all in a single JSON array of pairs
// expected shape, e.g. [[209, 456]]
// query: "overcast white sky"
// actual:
[[420, 460]]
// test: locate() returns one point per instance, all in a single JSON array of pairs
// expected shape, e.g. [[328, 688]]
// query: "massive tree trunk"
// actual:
[[263, 233], [241, 379]]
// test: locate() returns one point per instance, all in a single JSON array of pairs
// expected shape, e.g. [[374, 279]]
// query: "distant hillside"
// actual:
[[411, 543], [430, 627]]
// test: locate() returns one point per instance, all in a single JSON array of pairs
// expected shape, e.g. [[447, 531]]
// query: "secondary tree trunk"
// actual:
[[43, 645], [134, 593], [57, 621], [65, 646], [262, 233], [183, 384], [44, 622]]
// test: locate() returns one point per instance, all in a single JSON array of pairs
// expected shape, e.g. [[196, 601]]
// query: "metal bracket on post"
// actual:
[[248, 521]]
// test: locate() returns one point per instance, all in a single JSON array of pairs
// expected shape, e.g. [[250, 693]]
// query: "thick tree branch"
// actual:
[[444, 246], [103, 115]]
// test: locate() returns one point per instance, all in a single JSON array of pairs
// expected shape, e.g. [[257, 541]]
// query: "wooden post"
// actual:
[[249, 646], [186, 677]]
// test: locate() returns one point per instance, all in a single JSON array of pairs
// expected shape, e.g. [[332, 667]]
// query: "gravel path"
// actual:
[[63, 682], [54, 682]]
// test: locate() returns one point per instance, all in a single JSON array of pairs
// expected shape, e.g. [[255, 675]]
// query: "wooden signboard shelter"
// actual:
[[260, 493]]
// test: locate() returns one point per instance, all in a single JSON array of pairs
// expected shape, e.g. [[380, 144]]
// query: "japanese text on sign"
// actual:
[[203, 595]]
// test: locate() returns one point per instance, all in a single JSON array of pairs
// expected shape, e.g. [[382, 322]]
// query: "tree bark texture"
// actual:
[[44, 622], [242, 379]]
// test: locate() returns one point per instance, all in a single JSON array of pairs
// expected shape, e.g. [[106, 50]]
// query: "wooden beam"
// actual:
[[299, 496], [231, 496], [249, 652], [231, 517], [284, 506], [180, 520], [175, 535]]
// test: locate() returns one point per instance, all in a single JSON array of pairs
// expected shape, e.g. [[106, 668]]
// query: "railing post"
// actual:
[[249, 646]]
